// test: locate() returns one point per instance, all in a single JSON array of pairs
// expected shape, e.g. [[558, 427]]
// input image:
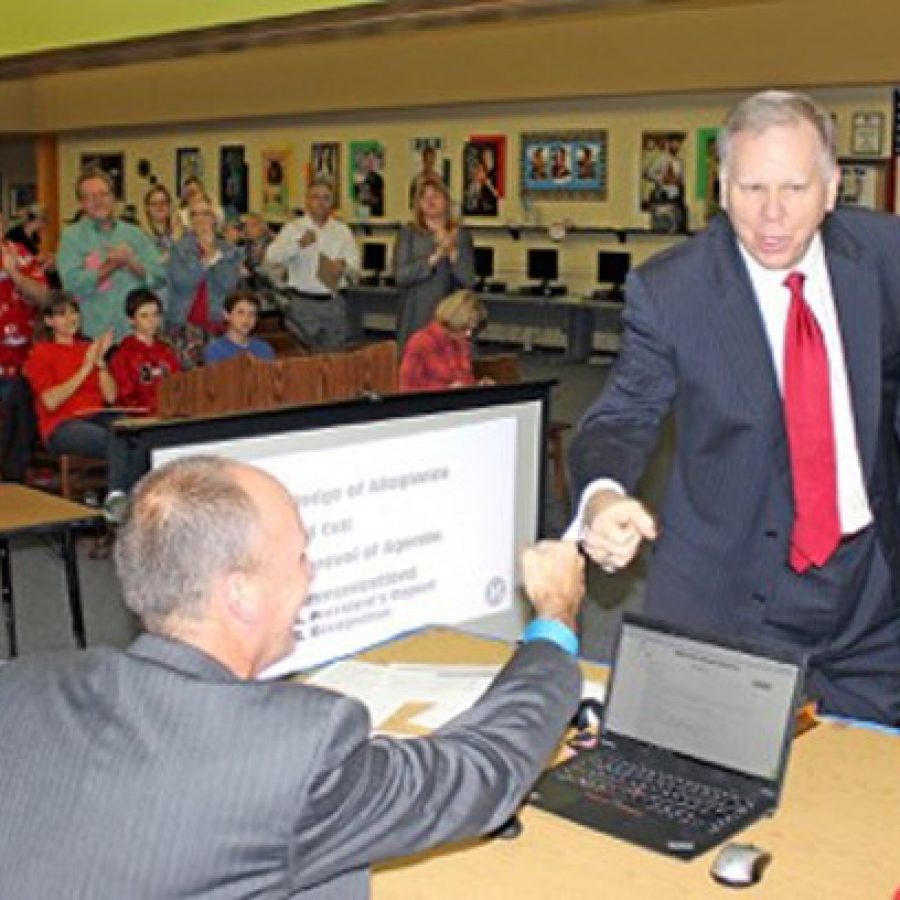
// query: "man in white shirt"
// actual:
[[711, 335], [320, 255]]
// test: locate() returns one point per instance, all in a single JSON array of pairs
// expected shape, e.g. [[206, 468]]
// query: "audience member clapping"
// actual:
[[203, 270]]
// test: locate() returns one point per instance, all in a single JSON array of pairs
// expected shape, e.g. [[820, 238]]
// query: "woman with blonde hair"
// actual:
[[439, 356], [203, 269], [433, 257], [164, 226]]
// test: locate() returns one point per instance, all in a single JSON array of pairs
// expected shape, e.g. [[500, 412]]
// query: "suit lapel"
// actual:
[[737, 321], [856, 296]]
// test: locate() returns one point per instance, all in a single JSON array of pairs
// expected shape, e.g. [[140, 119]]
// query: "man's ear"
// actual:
[[241, 597]]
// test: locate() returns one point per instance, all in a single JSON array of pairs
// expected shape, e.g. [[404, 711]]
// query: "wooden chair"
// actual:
[[71, 476], [80, 475], [505, 369]]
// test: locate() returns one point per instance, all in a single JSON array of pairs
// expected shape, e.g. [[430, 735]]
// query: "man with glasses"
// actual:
[[101, 258]]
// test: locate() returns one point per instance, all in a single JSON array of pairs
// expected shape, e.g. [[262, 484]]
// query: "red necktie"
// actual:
[[810, 432]]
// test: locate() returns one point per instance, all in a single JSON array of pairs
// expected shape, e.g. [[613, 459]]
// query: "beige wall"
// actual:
[[17, 166], [678, 66], [624, 120], [16, 107], [680, 47]]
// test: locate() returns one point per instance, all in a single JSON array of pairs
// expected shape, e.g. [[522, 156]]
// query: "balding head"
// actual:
[[190, 522]]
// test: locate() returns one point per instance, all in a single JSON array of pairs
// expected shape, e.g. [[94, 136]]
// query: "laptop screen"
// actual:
[[724, 706]]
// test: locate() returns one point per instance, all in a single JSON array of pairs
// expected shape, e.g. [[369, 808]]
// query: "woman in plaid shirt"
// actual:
[[439, 355]]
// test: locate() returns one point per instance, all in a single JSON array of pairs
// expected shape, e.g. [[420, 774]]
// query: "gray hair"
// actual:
[[92, 173], [768, 108], [188, 523]]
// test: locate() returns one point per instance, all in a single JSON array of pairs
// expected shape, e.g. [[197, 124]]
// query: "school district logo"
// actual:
[[495, 591]]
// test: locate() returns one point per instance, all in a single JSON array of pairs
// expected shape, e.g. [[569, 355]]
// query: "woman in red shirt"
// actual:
[[439, 356], [72, 387]]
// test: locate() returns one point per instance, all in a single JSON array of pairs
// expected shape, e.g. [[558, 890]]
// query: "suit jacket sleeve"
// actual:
[[411, 257], [621, 427], [369, 799], [464, 267]]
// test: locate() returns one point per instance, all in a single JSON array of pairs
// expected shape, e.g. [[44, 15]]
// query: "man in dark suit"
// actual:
[[767, 531], [165, 771]]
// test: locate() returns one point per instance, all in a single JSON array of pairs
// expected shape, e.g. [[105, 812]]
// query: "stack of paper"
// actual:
[[447, 689]]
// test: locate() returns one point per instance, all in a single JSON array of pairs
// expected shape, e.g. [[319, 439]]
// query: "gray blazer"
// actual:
[[155, 773], [421, 287], [695, 345]]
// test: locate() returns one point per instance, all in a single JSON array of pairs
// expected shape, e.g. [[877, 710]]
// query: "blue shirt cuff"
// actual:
[[554, 631]]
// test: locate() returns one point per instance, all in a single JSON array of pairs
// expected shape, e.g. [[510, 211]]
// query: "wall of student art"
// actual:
[[555, 170]]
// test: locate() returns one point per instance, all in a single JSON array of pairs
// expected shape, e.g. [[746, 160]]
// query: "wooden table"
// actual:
[[836, 834], [23, 512]]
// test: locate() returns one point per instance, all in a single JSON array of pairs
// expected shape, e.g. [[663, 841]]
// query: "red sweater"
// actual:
[[50, 364], [435, 358], [16, 315], [138, 369]]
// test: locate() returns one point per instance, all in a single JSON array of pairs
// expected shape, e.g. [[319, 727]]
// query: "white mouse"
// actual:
[[739, 865]]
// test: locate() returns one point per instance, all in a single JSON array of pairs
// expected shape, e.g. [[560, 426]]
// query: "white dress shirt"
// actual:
[[333, 239], [774, 299]]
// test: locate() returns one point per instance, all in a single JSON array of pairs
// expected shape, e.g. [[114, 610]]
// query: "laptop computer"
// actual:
[[693, 745]]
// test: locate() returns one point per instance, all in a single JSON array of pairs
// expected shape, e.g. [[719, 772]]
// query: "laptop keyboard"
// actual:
[[675, 798]]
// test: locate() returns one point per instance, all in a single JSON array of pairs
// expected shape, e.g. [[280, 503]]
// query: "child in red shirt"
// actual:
[[142, 360]]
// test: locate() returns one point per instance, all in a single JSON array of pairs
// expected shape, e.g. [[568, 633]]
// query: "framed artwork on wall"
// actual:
[[427, 156], [483, 177], [863, 183], [188, 164], [233, 180], [708, 171], [111, 163], [277, 183], [663, 169], [325, 162], [564, 165], [867, 133], [367, 159], [21, 196]]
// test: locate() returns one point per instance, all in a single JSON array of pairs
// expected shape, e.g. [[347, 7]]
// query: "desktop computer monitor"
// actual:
[[374, 257], [543, 265], [612, 269], [484, 263]]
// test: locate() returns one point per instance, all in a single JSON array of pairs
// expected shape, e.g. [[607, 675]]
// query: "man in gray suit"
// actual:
[[165, 771], [785, 536]]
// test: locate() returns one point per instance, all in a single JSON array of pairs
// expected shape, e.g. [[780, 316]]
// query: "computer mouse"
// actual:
[[739, 865]]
